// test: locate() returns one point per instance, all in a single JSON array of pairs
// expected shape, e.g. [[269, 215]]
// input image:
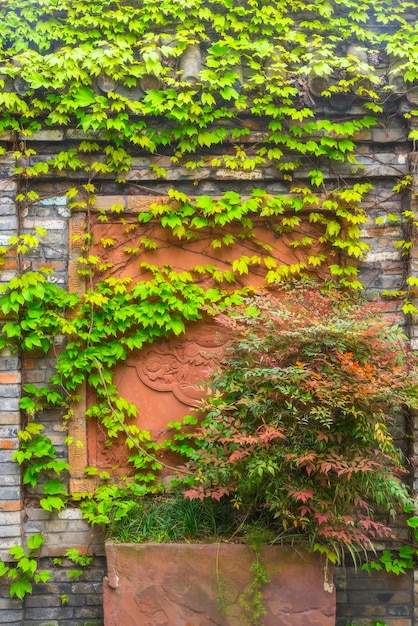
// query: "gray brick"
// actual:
[[12, 618], [9, 481], [47, 135], [31, 622], [7, 209], [7, 276], [6, 455], [9, 391], [39, 601], [10, 493], [11, 518], [8, 432], [8, 222], [10, 468], [71, 514], [12, 530], [9, 363], [46, 613], [82, 587], [49, 224], [10, 404], [39, 514], [10, 604], [8, 185], [5, 545]]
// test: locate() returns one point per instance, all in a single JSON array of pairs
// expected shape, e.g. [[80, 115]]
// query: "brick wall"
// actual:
[[10, 379], [364, 598], [384, 156]]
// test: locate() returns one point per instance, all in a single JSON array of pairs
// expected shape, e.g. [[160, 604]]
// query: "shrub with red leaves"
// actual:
[[297, 422]]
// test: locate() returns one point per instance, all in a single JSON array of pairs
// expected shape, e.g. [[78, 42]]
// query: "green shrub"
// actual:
[[296, 421]]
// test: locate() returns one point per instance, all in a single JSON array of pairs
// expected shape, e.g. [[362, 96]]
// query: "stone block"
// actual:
[[46, 135], [10, 377], [72, 514], [10, 493], [180, 584], [9, 404], [12, 617], [10, 518], [8, 431], [8, 223], [6, 456], [7, 480], [49, 224], [48, 613], [7, 207]]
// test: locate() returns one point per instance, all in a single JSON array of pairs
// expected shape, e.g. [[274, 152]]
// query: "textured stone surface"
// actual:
[[364, 597], [164, 381], [205, 584]]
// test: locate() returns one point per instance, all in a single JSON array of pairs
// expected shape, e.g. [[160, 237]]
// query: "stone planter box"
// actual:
[[205, 584]]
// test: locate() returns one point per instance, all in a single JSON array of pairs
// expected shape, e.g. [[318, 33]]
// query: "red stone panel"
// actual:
[[164, 380]]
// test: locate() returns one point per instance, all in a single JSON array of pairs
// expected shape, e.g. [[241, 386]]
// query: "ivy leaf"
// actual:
[[54, 487], [84, 97], [51, 503], [35, 541], [229, 93], [177, 326], [20, 588], [3, 569]]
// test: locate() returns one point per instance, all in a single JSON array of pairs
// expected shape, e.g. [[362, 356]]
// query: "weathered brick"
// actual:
[[9, 378], [8, 431], [47, 613], [49, 224], [10, 506], [9, 480], [47, 135], [8, 362], [9, 444], [11, 618], [9, 404], [71, 514], [8, 223], [9, 518], [10, 468], [10, 493]]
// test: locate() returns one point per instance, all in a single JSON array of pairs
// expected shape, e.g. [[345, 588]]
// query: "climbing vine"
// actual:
[[219, 88]]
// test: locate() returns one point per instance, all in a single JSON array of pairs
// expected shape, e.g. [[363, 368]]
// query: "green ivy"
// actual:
[[117, 72]]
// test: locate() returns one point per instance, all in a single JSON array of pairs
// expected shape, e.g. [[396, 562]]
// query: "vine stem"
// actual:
[[125, 429]]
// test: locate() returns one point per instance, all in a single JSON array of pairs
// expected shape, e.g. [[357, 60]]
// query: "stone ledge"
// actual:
[[187, 584]]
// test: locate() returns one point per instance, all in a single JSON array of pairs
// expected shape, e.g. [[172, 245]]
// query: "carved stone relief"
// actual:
[[166, 379]]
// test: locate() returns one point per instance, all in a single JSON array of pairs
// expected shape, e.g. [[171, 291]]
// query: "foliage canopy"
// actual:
[[184, 80]]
